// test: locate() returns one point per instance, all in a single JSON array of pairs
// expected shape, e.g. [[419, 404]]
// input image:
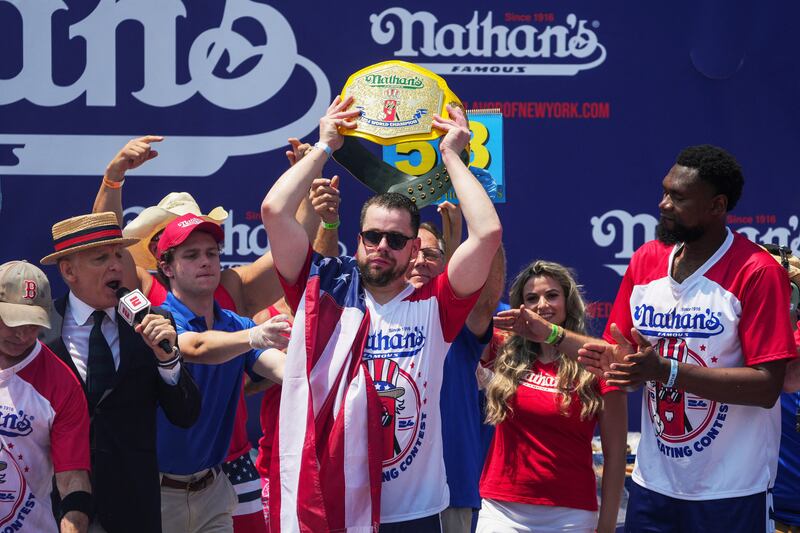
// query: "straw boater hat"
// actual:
[[154, 219], [84, 232]]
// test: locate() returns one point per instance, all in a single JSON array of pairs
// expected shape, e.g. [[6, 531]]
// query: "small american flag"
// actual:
[[327, 461]]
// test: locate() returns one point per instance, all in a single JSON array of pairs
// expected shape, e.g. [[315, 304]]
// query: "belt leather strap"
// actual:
[[191, 486], [381, 177]]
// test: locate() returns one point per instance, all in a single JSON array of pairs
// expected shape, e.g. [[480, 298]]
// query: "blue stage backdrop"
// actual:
[[597, 97]]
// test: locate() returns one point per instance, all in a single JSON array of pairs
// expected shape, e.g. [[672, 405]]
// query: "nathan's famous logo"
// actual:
[[390, 105], [393, 80], [401, 417], [13, 492], [400, 407], [542, 382], [15, 423], [228, 69], [672, 323], [395, 343], [495, 49], [391, 117], [683, 423]]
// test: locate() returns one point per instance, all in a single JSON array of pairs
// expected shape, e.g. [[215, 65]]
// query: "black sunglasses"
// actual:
[[396, 241]]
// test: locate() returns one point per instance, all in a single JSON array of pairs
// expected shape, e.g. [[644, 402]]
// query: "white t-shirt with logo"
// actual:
[[44, 427], [408, 340], [728, 313]]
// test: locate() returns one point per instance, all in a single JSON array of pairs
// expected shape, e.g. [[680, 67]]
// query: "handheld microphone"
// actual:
[[133, 307]]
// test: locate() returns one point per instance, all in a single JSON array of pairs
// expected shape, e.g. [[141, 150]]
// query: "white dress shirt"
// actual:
[[78, 324]]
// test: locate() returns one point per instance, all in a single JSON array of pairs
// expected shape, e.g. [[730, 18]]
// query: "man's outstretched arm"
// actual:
[[109, 198], [255, 286], [132, 155], [470, 264], [288, 239], [214, 347]]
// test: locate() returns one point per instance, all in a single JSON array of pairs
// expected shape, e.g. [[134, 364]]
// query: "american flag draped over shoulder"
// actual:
[[325, 471]]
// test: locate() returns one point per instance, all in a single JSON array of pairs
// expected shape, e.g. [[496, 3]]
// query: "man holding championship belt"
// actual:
[[356, 316]]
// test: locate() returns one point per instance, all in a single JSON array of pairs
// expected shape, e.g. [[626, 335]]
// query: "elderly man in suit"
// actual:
[[124, 373]]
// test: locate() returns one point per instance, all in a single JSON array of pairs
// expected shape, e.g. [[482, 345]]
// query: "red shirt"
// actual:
[[539, 456], [270, 408], [240, 444]]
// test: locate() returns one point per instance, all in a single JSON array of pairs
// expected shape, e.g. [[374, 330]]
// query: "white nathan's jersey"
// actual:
[[408, 340], [731, 312]]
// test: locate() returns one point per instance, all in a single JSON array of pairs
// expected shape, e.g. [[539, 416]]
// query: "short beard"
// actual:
[[379, 279], [679, 233]]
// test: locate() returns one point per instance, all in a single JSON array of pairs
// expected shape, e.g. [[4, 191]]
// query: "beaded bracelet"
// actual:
[[561, 334]]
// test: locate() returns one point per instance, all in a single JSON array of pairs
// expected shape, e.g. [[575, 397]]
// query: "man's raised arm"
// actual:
[[469, 266], [132, 155], [288, 239], [109, 198], [255, 286]]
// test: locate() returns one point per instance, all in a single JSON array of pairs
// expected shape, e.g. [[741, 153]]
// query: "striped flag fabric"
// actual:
[[325, 472]]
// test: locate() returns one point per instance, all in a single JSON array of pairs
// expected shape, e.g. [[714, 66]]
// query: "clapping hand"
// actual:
[[623, 364], [299, 150], [326, 199]]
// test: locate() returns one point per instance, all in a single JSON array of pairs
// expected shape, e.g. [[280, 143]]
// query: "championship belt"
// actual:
[[397, 101]]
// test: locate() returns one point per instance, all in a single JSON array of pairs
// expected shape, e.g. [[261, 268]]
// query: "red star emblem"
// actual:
[[19, 457], [10, 445], [702, 347], [27, 469], [714, 359], [412, 364]]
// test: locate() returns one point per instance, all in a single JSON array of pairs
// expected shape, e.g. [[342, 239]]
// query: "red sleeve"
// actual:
[[224, 298], [157, 293], [294, 292], [765, 331], [453, 311], [605, 388], [621, 311], [499, 337], [69, 435]]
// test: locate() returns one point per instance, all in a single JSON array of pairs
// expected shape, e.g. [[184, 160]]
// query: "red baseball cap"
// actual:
[[180, 228]]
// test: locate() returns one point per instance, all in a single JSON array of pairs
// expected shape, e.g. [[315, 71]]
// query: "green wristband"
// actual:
[[331, 225], [553, 335]]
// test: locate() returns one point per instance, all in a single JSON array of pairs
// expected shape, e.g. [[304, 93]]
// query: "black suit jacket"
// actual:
[[125, 482]]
